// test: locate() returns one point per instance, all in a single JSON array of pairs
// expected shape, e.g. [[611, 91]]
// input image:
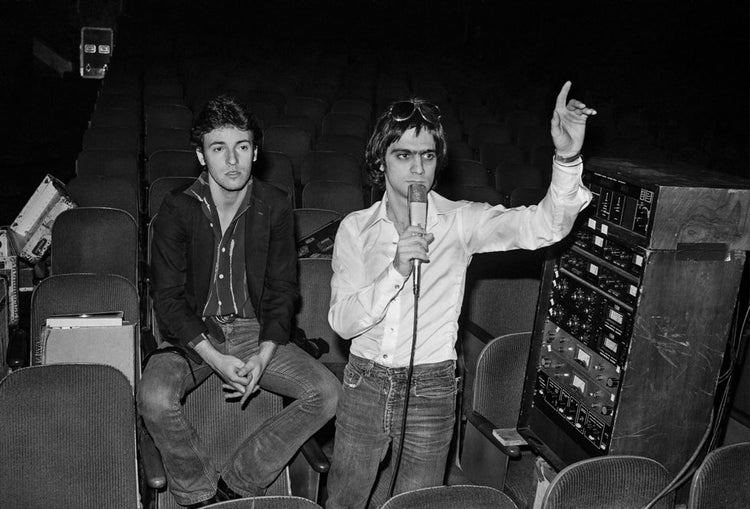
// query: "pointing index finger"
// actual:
[[562, 97]]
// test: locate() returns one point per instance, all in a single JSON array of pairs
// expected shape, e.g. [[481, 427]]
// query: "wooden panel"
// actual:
[[676, 350]]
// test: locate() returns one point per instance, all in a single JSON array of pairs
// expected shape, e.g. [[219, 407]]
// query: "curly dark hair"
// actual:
[[388, 130], [225, 111]]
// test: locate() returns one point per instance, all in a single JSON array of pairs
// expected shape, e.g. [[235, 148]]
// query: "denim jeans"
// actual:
[[169, 377], [368, 421]]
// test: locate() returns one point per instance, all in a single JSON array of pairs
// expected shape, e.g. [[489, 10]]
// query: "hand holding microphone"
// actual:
[[414, 241]]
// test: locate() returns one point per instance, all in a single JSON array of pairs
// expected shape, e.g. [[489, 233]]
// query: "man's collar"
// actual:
[[201, 191], [199, 188], [436, 206]]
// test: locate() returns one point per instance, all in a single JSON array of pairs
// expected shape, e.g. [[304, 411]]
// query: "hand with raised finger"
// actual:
[[568, 124]]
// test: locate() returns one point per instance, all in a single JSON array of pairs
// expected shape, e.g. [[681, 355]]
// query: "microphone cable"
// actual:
[[397, 461]]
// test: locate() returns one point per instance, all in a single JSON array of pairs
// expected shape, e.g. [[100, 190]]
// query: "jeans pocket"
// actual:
[[352, 377], [442, 386]]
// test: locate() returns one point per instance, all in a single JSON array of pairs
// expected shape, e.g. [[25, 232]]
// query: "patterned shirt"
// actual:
[[228, 293]]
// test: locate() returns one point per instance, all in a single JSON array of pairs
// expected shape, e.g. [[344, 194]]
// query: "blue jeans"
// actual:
[[169, 377], [368, 421]]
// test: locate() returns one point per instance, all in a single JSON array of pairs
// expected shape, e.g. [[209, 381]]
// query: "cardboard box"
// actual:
[[114, 346], [32, 229]]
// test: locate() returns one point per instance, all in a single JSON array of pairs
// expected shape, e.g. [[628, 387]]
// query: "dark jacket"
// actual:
[[182, 260]]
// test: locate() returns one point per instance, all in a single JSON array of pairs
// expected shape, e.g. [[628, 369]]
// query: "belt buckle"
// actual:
[[225, 319]]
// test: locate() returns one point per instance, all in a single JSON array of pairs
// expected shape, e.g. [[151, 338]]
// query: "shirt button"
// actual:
[[223, 249], [221, 276], [385, 356], [211, 225], [219, 303]]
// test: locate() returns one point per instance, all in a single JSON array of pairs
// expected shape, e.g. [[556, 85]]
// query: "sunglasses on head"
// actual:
[[404, 110]]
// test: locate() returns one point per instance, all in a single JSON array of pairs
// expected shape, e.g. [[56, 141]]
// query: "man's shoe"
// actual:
[[224, 492]]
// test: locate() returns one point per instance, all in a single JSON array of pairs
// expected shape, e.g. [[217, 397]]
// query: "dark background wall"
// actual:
[[682, 62]]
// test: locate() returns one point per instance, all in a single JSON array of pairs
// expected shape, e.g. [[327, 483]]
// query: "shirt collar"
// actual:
[[201, 191], [436, 206]]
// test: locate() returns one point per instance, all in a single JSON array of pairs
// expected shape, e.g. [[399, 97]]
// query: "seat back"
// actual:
[[723, 479], [160, 138], [451, 497], [83, 293], [95, 239], [308, 220], [159, 189], [492, 154], [465, 172], [331, 166], [295, 142], [495, 386], [108, 162], [105, 191], [272, 502], [345, 123], [172, 163], [312, 315], [339, 196], [493, 132], [276, 168], [313, 108], [509, 176], [618, 482], [112, 138], [354, 107], [223, 426], [68, 438], [115, 117], [168, 116], [344, 143]]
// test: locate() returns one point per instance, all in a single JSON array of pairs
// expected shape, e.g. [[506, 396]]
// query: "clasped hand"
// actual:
[[240, 379]]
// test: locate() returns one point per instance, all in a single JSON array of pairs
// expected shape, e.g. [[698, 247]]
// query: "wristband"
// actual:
[[566, 160]]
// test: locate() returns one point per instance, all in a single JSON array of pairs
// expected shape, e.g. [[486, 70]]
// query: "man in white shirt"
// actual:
[[373, 298]]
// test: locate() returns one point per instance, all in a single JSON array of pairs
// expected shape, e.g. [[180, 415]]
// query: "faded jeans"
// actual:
[[368, 422], [169, 377]]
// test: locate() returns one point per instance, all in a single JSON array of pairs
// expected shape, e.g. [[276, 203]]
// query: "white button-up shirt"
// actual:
[[372, 303]]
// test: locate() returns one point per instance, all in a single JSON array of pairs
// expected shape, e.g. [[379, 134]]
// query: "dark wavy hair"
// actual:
[[225, 111], [388, 130]]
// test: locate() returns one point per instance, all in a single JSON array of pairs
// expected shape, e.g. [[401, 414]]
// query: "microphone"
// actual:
[[417, 200]]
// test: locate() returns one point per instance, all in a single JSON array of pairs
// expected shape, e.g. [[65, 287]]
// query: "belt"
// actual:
[[225, 319]]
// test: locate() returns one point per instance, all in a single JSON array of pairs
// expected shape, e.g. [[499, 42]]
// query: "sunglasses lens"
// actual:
[[403, 110], [430, 112]]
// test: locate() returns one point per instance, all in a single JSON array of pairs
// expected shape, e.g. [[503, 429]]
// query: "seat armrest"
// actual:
[[153, 468], [315, 456], [17, 355], [485, 427]]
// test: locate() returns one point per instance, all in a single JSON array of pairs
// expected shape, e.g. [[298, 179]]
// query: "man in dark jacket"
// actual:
[[224, 288]]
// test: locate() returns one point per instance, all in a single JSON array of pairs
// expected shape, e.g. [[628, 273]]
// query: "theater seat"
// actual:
[[451, 497], [68, 438], [723, 479], [615, 481]]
